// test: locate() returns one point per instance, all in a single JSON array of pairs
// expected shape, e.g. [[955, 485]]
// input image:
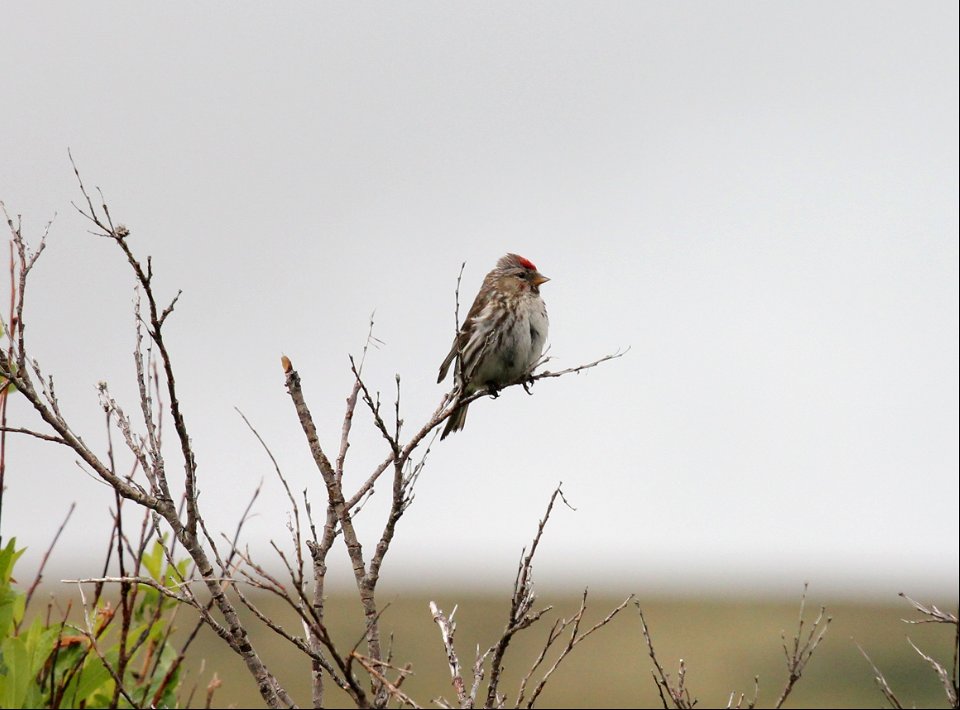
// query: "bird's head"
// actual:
[[519, 272]]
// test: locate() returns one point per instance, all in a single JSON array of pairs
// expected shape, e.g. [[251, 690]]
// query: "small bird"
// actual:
[[502, 338]]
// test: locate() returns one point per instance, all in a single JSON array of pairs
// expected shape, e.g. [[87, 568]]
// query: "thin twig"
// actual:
[[881, 682], [36, 434], [46, 556], [802, 649], [521, 603], [678, 694], [369, 664], [447, 629], [575, 638]]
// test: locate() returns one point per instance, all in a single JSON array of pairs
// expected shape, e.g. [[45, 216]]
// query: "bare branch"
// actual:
[[393, 689], [46, 556], [521, 603], [447, 628], [933, 614], [347, 424], [949, 680], [406, 460], [752, 703], [36, 434], [579, 368], [13, 369], [802, 649], [881, 682], [942, 673], [338, 507], [575, 638], [91, 636], [678, 694], [146, 581], [295, 509]]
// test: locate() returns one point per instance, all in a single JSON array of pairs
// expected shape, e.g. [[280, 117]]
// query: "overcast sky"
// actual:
[[760, 200]]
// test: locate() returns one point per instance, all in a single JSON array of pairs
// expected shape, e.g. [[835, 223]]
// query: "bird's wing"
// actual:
[[445, 365], [467, 334]]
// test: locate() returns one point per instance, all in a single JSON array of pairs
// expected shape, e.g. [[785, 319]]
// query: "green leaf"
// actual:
[[12, 601], [11, 609], [8, 558], [24, 656], [92, 679], [153, 560]]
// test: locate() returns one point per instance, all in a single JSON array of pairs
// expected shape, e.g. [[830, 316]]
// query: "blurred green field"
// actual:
[[723, 642]]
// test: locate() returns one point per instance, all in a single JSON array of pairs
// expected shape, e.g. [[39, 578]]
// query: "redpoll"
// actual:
[[502, 338]]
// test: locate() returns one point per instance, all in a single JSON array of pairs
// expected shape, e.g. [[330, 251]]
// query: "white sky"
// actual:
[[759, 199]]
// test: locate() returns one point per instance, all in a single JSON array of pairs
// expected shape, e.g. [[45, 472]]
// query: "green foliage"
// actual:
[[54, 664], [11, 602]]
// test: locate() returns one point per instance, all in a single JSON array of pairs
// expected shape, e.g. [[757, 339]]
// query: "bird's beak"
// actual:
[[539, 278]]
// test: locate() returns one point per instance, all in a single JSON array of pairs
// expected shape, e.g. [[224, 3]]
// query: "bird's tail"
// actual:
[[455, 422]]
